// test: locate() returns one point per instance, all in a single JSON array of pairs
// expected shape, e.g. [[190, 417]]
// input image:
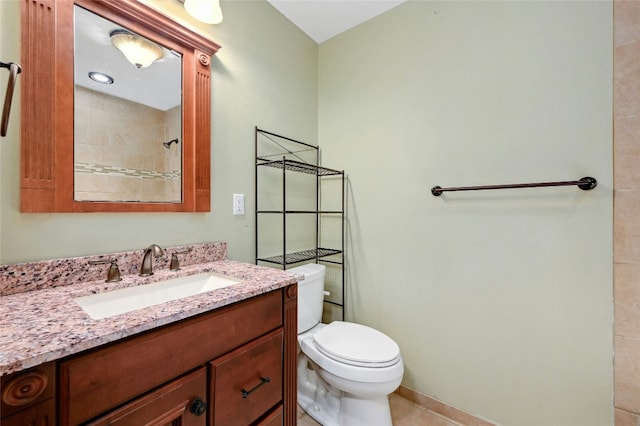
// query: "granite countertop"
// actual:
[[44, 325]]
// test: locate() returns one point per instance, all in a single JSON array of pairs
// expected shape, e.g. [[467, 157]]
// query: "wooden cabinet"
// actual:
[[28, 397], [231, 366], [144, 362]]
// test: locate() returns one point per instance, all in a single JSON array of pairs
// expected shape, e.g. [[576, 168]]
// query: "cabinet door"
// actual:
[[42, 414], [274, 418], [247, 383], [172, 404]]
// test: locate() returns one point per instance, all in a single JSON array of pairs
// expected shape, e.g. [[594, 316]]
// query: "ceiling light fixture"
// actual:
[[207, 11], [100, 77], [138, 50]]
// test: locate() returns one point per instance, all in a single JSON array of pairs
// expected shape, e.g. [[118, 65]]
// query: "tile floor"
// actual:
[[403, 413]]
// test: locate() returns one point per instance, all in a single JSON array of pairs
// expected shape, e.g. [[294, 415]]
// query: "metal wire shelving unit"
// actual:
[[285, 155]]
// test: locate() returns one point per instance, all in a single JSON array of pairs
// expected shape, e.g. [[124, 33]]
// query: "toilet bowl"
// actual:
[[345, 370]]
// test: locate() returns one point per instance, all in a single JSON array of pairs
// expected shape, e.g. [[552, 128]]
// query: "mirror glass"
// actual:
[[127, 130]]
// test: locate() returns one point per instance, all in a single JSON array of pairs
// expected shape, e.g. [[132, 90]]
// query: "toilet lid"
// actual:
[[357, 344]]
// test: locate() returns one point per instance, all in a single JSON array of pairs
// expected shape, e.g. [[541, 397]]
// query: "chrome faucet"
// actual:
[[146, 268]]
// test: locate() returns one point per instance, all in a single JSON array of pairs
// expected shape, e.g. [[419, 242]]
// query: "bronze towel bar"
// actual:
[[586, 183]]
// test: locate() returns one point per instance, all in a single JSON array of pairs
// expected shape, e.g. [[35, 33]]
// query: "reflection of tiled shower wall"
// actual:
[[172, 157], [127, 138], [626, 210]]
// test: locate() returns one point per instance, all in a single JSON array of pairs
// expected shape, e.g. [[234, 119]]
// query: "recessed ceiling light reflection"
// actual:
[[100, 77]]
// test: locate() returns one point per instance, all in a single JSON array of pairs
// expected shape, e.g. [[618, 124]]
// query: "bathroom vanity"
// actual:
[[233, 364]]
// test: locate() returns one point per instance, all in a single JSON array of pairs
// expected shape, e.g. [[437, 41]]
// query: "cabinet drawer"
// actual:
[[247, 383], [92, 383], [168, 405], [274, 418]]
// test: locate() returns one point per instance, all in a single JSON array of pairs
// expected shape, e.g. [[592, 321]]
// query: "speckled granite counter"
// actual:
[[44, 325]]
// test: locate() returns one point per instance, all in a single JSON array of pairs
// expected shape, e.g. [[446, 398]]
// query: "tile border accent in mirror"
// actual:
[[101, 169], [29, 276]]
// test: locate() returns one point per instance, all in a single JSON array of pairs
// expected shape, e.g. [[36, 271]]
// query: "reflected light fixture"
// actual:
[[100, 77], [207, 11], [138, 50]]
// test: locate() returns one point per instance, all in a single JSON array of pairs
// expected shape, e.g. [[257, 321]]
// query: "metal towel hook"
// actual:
[[14, 70]]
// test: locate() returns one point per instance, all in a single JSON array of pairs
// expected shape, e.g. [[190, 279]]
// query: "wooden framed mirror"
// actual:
[[54, 146]]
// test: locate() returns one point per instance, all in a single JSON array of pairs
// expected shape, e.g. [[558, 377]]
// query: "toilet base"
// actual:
[[347, 411], [314, 396], [365, 412], [324, 412], [332, 407]]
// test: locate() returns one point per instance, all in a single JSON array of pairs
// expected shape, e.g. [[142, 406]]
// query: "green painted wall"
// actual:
[[501, 301]]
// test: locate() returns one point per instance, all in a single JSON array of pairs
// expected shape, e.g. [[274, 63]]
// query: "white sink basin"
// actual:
[[104, 305]]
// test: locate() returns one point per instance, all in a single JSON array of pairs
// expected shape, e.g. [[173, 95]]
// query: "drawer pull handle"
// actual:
[[263, 380], [198, 407]]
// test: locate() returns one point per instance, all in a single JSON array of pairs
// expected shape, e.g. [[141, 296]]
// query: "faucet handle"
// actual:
[[113, 275], [114, 272], [175, 263]]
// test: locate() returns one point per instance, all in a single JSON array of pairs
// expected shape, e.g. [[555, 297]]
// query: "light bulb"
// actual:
[[207, 11]]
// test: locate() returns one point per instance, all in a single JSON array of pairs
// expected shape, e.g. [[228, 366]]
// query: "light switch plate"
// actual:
[[238, 204]]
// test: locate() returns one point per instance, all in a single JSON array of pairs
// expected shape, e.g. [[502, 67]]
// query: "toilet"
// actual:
[[345, 370]]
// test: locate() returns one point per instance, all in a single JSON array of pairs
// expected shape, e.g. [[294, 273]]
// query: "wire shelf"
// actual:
[[298, 166], [300, 211], [300, 256]]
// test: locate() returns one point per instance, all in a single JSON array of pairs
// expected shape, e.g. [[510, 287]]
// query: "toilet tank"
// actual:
[[310, 295]]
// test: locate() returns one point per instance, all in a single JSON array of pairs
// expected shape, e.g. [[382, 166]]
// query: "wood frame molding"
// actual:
[[290, 321], [47, 105]]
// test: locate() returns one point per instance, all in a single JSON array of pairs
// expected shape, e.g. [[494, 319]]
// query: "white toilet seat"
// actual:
[[388, 371], [356, 344]]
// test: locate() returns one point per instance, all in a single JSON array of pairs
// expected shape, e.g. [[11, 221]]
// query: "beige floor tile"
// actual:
[[627, 298], [304, 419], [406, 413], [627, 22], [403, 413], [626, 231], [625, 418], [627, 374]]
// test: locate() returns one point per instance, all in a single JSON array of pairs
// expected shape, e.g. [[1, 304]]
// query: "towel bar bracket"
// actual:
[[588, 183]]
